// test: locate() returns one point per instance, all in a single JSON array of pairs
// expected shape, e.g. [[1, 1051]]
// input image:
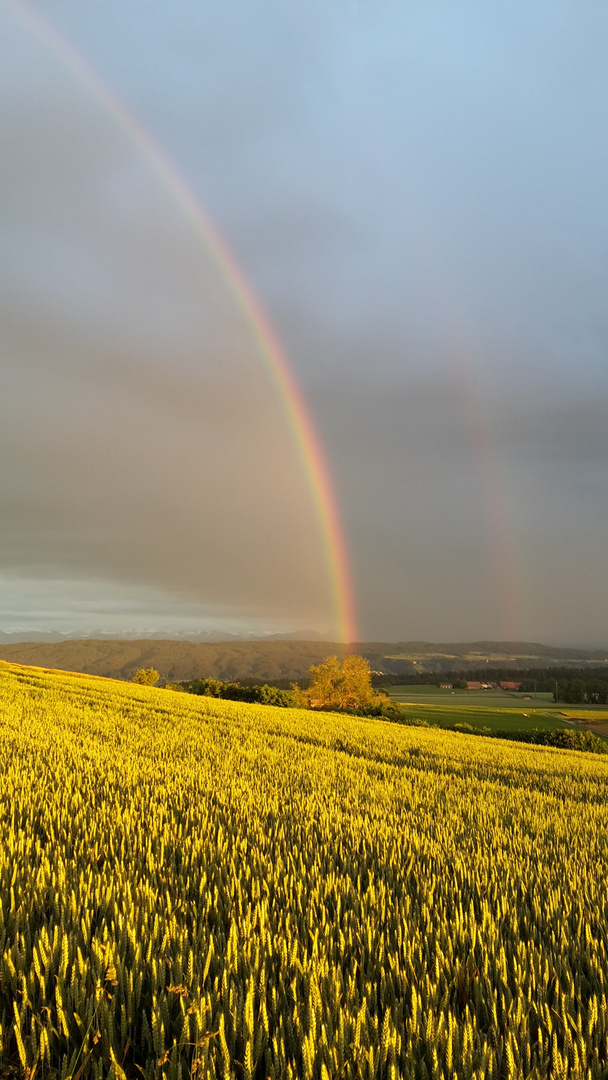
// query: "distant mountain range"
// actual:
[[275, 657], [154, 635]]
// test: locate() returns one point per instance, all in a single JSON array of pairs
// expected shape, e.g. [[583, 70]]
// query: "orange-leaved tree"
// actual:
[[340, 684], [146, 676]]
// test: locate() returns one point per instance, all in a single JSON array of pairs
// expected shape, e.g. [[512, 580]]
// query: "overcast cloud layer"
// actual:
[[143, 444], [417, 194]]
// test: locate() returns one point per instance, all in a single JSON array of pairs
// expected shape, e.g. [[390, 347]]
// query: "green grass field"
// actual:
[[495, 711], [193, 887], [486, 699]]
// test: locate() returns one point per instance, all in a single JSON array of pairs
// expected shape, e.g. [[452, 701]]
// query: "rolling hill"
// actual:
[[201, 888], [278, 660]]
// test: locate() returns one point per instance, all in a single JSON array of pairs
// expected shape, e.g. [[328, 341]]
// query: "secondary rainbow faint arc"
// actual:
[[273, 354]]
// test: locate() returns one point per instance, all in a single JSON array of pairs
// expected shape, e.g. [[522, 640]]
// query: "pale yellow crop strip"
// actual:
[[197, 887]]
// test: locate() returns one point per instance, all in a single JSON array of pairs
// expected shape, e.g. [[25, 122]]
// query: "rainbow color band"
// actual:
[[269, 348]]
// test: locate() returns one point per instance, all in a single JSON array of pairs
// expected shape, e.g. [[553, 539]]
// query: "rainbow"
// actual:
[[503, 564], [505, 570], [504, 567], [268, 345]]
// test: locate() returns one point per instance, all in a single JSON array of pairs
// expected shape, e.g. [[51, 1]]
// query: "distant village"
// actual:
[[485, 686]]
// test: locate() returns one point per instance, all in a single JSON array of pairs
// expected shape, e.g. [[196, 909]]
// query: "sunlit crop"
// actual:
[[197, 887], [584, 714]]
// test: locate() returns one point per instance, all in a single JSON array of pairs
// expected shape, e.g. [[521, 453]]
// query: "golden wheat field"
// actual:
[[197, 887]]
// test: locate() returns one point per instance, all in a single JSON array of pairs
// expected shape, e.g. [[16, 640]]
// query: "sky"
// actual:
[[415, 194]]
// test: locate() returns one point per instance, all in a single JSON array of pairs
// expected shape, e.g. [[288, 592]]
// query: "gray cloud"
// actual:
[[142, 439], [462, 515], [417, 193]]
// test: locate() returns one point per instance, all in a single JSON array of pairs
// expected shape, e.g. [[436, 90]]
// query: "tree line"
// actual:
[[235, 691], [333, 684], [541, 679], [349, 684], [341, 684], [582, 691]]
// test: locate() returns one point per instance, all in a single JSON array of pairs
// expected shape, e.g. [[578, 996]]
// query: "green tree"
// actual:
[[346, 684], [146, 676]]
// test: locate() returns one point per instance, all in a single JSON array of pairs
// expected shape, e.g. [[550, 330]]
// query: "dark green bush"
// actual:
[[233, 691], [566, 739]]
